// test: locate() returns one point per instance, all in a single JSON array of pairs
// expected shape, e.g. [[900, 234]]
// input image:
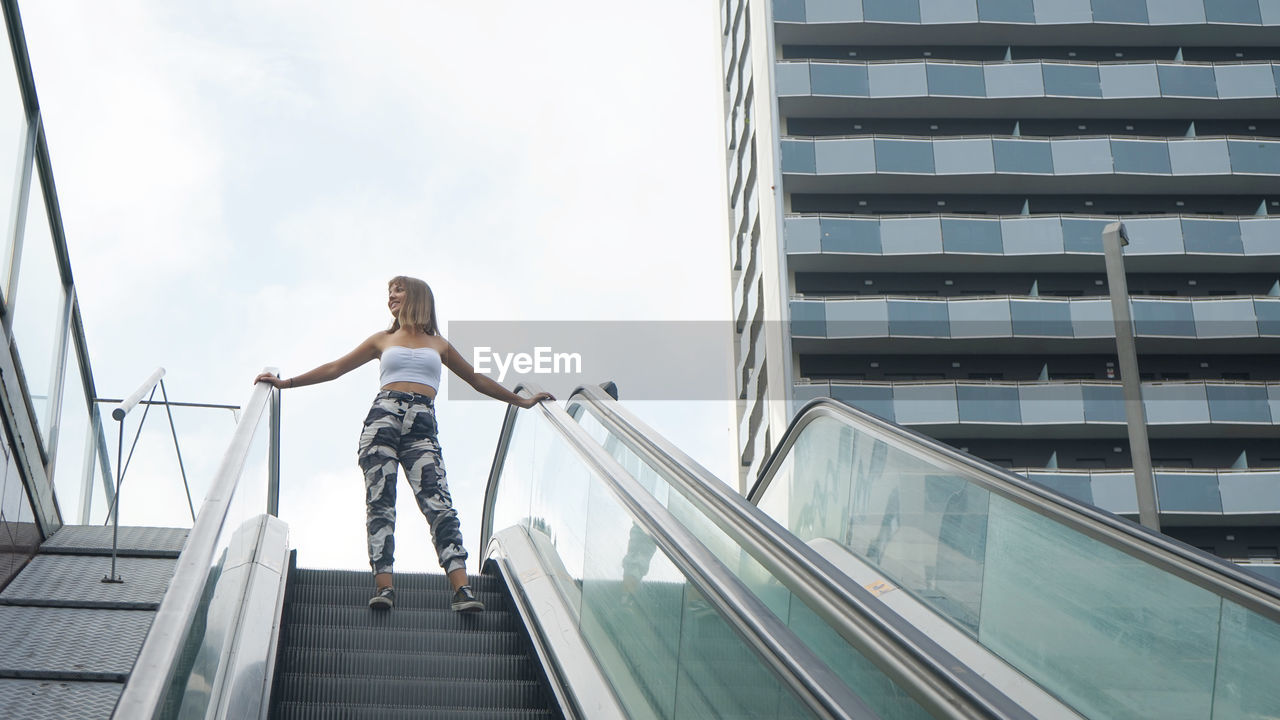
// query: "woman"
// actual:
[[401, 429]]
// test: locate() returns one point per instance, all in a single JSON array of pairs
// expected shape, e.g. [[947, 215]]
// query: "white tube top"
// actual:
[[415, 365]]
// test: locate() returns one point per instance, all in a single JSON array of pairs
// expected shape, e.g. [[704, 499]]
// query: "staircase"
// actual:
[[70, 640], [339, 659]]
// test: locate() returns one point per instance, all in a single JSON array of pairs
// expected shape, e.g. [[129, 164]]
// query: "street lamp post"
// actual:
[[1113, 238]]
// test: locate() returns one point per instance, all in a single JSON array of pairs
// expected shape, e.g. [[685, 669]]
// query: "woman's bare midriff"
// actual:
[[411, 387]]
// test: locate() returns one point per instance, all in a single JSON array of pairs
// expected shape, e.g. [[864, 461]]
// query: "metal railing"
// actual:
[[910, 658], [122, 408], [152, 680]]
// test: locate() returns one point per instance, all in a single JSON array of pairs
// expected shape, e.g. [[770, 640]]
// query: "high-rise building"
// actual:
[[918, 190]]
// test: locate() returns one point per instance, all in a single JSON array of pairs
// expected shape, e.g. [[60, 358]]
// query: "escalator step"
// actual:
[[407, 598], [406, 581], [417, 692], [399, 618], [314, 711], [322, 637], [406, 665]]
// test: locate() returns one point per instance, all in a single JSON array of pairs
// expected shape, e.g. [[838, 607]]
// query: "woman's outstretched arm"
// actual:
[[364, 352], [453, 360]]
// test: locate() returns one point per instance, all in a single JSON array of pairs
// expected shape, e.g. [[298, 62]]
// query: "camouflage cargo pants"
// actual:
[[400, 429]]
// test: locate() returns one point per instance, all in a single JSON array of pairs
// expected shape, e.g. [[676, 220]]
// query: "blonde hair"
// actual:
[[418, 309]]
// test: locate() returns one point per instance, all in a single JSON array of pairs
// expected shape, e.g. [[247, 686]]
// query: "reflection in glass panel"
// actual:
[[918, 318], [955, 80], [1260, 236], [857, 318], [904, 156], [1052, 403], [13, 142], [979, 318], [1154, 235], [989, 403], [1247, 651], [1224, 318], [37, 307], [1175, 403], [850, 235], [1074, 485], [1243, 12], [808, 318], [1082, 157], [1116, 492], [1023, 156], [798, 156], [1141, 157], [1092, 318], [1243, 81], [948, 11], [1254, 156], [1072, 80], [1082, 235], [1103, 403], [1212, 236], [1014, 80], [1176, 12], [1188, 492], [903, 11], [966, 235], [970, 156], [1250, 492], [1199, 157], [926, 404], [1239, 403], [906, 79], [1032, 236], [846, 155], [1129, 80], [1163, 318], [1100, 619], [1063, 11], [1041, 318], [792, 80], [839, 79], [1120, 11], [73, 434], [875, 399], [822, 11], [1010, 11], [1187, 81], [902, 236], [1267, 310]]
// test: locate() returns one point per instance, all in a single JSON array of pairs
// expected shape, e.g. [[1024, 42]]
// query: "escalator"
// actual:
[[872, 574], [1068, 610]]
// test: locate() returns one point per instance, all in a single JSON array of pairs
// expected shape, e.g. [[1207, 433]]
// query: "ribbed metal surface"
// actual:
[[76, 581], [63, 641], [409, 665], [136, 541], [339, 659], [407, 598], [307, 711], [57, 700]]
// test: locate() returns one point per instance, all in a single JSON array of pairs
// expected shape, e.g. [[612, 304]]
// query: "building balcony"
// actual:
[[1024, 88], [1025, 21], [1025, 323], [1014, 164], [1072, 409], [1020, 243], [1183, 496]]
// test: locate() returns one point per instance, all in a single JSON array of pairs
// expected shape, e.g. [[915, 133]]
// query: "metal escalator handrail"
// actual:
[[812, 681], [1219, 576], [158, 658], [907, 656]]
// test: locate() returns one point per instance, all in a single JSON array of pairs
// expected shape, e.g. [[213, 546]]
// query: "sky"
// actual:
[[238, 181]]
